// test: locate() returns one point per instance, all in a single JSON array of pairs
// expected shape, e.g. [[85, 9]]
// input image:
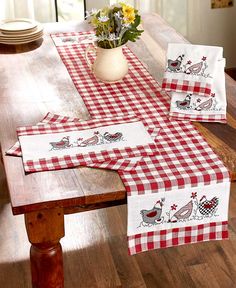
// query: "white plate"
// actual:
[[17, 25], [21, 39], [22, 36], [18, 42], [20, 32], [37, 29]]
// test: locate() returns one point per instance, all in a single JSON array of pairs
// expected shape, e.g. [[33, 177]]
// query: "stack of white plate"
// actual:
[[20, 31]]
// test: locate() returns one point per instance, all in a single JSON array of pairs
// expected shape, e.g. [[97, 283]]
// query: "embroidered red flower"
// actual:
[[194, 195], [204, 58], [189, 62], [173, 207]]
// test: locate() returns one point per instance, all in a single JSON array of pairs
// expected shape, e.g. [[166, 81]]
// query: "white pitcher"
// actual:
[[110, 65]]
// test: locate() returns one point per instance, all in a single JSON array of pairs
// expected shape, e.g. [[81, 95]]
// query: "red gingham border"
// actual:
[[220, 118], [74, 126], [187, 86], [177, 236]]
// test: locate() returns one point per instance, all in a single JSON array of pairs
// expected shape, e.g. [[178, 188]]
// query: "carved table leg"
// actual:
[[45, 229]]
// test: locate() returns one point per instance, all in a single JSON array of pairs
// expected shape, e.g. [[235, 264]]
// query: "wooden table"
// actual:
[[34, 81]]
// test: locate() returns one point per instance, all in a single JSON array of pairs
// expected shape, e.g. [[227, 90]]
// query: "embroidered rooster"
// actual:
[[208, 207], [174, 65], [205, 105], [63, 143], [185, 104], [152, 216], [112, 137]]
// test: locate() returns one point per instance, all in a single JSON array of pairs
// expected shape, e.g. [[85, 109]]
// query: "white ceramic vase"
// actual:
[[110, 65]]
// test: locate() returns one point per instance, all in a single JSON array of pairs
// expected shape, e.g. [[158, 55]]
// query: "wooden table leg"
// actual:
[[45, 229]]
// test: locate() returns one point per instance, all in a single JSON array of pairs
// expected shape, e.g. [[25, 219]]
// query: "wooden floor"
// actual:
[[95, 254]]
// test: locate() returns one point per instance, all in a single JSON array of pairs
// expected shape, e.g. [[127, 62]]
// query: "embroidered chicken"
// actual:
[[183, 213], [174, 65], [208, 207], [112, 137], [185, 104], [90, 141], [205, 105], [152, 216], [194, 69], [63, 143]]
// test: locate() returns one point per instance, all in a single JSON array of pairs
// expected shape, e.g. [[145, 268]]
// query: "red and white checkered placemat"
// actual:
[[185, 160], [94, 148], [116, 164]]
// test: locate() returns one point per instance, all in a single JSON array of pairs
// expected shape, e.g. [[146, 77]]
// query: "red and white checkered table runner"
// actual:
[[185, 160]]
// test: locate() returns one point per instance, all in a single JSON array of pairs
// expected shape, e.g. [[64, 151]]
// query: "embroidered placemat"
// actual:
[[185, 161], [116, 164], [57, 146]]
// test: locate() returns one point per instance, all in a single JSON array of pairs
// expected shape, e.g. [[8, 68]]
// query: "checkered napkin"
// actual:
[[177, 197], [80, 143], [191, 68], [187, 106]]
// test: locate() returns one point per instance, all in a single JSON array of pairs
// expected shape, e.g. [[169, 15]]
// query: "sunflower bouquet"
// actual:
[[115, 25]]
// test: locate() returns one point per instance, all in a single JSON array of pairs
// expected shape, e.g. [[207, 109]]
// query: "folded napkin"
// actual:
[[106, 143], [191, 68], [187, 106]]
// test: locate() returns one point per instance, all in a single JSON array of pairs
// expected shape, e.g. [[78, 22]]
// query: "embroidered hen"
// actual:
[[208, 207], [153, 216], [90, 141], [112, 137], [63, 143], [205, 105], [174, 65], [194, 69], [185, 103]]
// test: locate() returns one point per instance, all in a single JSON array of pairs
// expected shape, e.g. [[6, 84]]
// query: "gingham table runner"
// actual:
[[191, 68], [186, 167], [78, 143]]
